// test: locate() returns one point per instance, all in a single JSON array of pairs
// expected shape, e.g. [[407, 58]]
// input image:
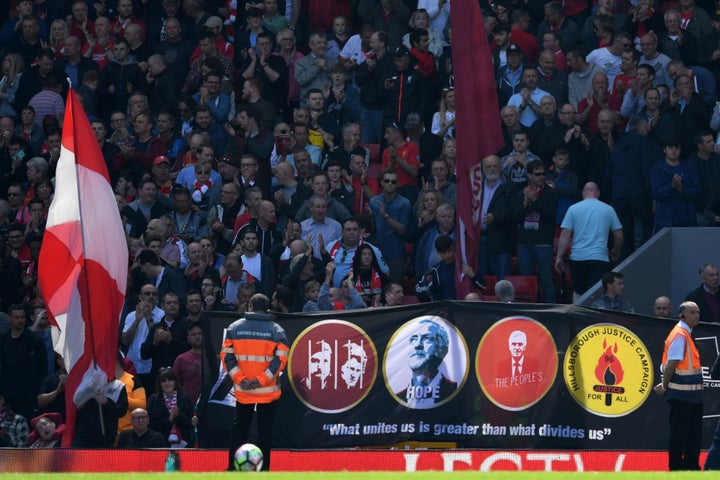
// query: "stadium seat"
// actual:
[[374, 149], [490, 281], [526, 287], [410, 300]]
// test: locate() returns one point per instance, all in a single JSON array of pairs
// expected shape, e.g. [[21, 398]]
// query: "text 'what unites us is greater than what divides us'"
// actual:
[[486, 429]]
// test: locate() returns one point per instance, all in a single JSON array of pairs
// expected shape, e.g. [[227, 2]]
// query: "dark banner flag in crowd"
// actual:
[[477, 126], [477, 375]]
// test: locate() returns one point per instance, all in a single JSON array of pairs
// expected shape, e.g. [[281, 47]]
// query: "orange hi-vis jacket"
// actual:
[[255, 348], [686, 384]]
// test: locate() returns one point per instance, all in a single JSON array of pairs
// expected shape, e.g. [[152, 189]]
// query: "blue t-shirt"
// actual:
[[590, 221]]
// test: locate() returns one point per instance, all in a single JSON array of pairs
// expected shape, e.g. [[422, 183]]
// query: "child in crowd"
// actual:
[[312, 292], [565, 182]]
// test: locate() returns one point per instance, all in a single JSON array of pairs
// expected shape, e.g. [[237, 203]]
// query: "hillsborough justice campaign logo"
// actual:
[[332, 366], [608, 370], [426, 363], [516, 362]]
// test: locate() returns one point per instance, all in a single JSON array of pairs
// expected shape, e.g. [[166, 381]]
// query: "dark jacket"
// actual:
[[293, 282], [160, 417], [371, 82], [697, 297], [537, 220], [137, 220], [150, 439], [84, 66], [163, 92], [505, 88], [502, 232], [627, 174], [395, 24], [119, 76], [408, 94], [164, 354], [689, 121], [291, 205], [89, 425], [673, 208]]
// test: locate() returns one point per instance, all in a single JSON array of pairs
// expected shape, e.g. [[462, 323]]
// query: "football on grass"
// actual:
[[248, 458]]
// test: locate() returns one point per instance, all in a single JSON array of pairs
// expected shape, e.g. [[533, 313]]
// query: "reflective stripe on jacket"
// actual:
[[686, 384], [255, 348]]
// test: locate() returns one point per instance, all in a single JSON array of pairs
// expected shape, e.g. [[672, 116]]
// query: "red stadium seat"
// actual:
[[410, 300], [374, 149], [526, 287], [490, 281]]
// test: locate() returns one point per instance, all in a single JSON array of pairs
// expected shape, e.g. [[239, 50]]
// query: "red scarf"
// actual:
[[170, 403], [166, 189], [425, 63], [199, 185], [22, 215], [334, 249], [373, 287]]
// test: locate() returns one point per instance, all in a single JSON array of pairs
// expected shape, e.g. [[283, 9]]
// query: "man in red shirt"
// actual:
[[402, 158], [364, 186]]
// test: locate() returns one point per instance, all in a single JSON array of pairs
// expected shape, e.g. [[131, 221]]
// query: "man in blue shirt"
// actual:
[[392, 213]]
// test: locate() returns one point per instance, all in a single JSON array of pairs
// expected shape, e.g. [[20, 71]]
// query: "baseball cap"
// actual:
[[230, 160], [161, 159], [214, 22], [393, 125], [513, 48], [400, 51]]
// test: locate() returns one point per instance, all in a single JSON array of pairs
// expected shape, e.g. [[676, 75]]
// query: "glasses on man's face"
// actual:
[[203, 172], [393, 182], [13, 194], [140, 417]]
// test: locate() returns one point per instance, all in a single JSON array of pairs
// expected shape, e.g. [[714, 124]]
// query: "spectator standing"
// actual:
[[590, 222], [250, 341]]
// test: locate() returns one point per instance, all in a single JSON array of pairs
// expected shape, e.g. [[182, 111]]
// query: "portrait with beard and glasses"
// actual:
[[437, 363]]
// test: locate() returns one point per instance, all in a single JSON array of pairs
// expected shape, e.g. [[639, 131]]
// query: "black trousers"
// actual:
[[244, 413], [685, 435]]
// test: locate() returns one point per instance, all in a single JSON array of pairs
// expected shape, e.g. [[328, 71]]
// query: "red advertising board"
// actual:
[[62, 460]]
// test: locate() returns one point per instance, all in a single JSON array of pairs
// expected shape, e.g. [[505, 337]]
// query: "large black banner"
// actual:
[[480, 375]]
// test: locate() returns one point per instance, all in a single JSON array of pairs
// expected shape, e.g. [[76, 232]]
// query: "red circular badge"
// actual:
[[516, 363], [332, 366]]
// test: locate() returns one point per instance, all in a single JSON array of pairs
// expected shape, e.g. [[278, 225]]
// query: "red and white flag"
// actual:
[[477, 128], [83, 264]]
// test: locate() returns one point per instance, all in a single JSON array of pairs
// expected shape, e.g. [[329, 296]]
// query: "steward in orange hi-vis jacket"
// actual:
[[255, 352]]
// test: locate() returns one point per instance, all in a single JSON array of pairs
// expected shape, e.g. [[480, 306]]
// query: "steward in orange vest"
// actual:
[[255, 352], [682, 385]]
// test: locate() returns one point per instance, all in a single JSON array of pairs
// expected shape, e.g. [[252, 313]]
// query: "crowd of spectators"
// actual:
[[306, 150]]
